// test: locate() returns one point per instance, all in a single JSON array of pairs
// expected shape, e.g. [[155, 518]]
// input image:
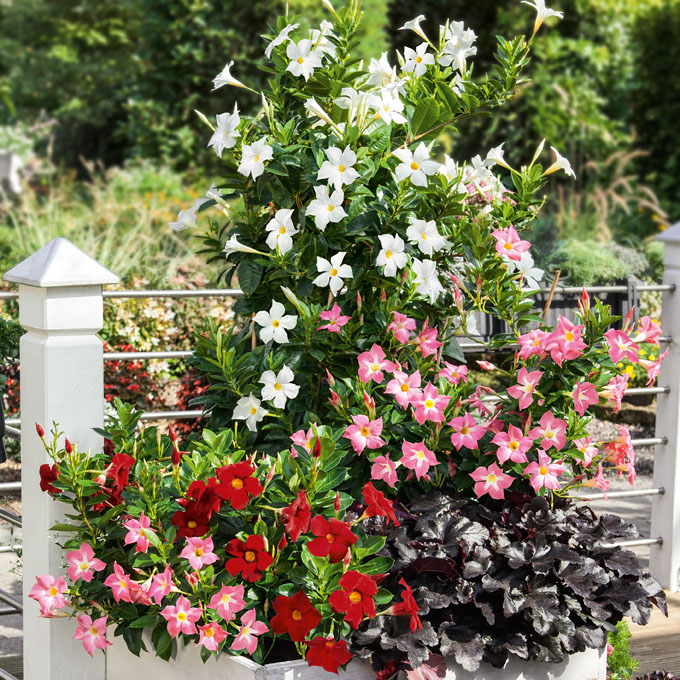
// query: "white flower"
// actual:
[[356, 103], [416, 165], [226, 132], [452, 171], [282, 230], [392, 254], [249, 409], [339, 168], [381, 73], [531, 276], [388, 107], [326, 208], [314, 109], [320, 41], [332, 273], [234, 246], [303, 59], [478, 172], [225, 78], [561, 163], [279, 386], [254, 156], [458, 45], [187, 218], [274, 323], [542, 12], [414, 25], [495, 157], [427, 282], [280, 39], [427, 237], [417, 60]]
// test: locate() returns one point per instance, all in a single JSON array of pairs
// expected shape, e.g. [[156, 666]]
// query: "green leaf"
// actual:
[[249, 275], [448, 95], [379, 565], [425, 116], [143, 621], [133, 640], [453, 350]]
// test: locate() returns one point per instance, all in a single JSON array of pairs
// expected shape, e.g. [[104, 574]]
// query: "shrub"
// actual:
[[620, 664]]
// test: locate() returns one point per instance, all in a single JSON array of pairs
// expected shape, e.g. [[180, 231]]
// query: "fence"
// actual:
[[61, 307]]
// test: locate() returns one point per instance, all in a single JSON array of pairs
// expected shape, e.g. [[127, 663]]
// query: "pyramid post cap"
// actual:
[[60, 263], [670, 235]]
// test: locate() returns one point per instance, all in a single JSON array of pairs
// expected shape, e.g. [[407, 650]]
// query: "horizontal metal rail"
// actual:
[[9, 599], [7, 611], [10, 517], [146, 356], [651, 441], [10, 548], [10, 486], [12, 432], [631, 493], [634, 543], [632, 391], [6, 675]]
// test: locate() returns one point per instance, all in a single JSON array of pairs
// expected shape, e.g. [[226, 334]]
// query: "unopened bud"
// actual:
[[192, 578], [347, 560], [383, 295], [487, 366], [283, 542], [316, 451], [335, 400], [337, 505], [108, 447], [359, 302], [172, 434], [67, 445], [270, 475], [40, 431], [330, 378]]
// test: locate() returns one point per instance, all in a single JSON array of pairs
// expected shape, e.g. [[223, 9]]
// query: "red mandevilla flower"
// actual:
[[407, 607], [333, 539], [355, 599], [295, 615], [49, 474], [238, 484], [328, 653], [377, 504], [250, 558], [296, 516]]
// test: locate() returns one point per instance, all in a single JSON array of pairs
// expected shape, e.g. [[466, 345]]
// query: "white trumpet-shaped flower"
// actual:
[[332, 273], [280, 39], [415, 165], [381, 73], [391, 254], [326, 207], [281, 231], [427, 279], [303, 59], [233, 245], [225, 78], [254, 156], [458, 45], [426, 236], [388, 107], [186, 218], [275, 323], [531, 276], [226, 132], [339, 168], [542, 12], [417, 60], [279, 387], [561, 163], [414, 25], [249, 409]]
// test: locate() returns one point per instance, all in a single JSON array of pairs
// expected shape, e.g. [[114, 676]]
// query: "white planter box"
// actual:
[[121, 665]]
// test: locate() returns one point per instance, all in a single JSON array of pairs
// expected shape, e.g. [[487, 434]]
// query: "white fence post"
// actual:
[[61, 309], [664, 559]]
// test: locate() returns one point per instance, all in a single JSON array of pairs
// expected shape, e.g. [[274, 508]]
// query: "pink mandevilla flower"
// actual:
[[138, 532], [586, 447], [621, 346], [565, 341], [373, 363], [615, 390], [211, 635], [430, 405], [91, 633], [466, 432], [426, 341], [552, 431], [653, 367], [453, 374], [524, 389], [512, 445], [120, 584], [246, 638], [228, 601], [161, 585], [545, 473], [82, 563], [385, 469], [199, 552], [401, 327], [491, 480], [303, 440], [365, 433], [417, 457], [598, 481], [585, 395], [48, 592], [334, 318], [404, 387], [532, 343], [648, 331], [181, 617], [509, 244], [620, 451]]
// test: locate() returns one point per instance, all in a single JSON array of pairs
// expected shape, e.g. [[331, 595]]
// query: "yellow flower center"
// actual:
[[464, 430], [419, 60], [388, 254], [296, 615], [198, 552], [414, 165], [282, 230], [375, 367], [181, 616], [404, 388], [53, 591], [549, 434], [514, 446], [420, 455], [342, 168], [569, 336], [237, 483], [277, 386], [330, 538], [249, 556], [507, 246], [253, 410], [543, 470], [209, 632], [423, 235], [94, 631], [276, 323], [429, 403], [365, 431], [355, 596], [191, 524], [334, 272], [300, 60], [84, 566], [331, 207], [257, 157], [492, 479], [226, 598]]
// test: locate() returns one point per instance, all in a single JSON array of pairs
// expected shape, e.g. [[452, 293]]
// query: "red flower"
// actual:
[[296, 516], [328, 653], [377, 504], [119, 470], [295, 615], [407, 607], [108, 447], [238, 484], [49, 474], [250, 558], [333, 539], [355, 598], [202, 497], [192, 522]]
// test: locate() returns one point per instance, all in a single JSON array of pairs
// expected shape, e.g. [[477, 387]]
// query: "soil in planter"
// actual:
[[283, 650]]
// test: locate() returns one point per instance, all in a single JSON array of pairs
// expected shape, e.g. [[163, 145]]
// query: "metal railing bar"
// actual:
[[632, 493], [6, 675], [145, 356], [10, 517], [10, 486], [12, 432], [9, 599], [651, 441], [171, 415], [12, 422], [633, 543], [631, 391], [187, 293], [7, 611], [8, 295], [10, 548]]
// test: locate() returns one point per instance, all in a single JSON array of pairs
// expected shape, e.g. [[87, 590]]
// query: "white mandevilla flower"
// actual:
[[275, 323], [339, 168], [391, 254], [388, 107], [356, 103], [281, 231], [225, 78], [226, 132], [478, 172], [279, 387], [427, 279], [496, 157], [254, 156], [426, 236], [320, 39], [417, 60], [453, 173], [542, 12], [280, 39], [186, 218], [458, 45], [531, 276], [233, 245], [414, 25], [381, 73], [249, 409], [561, 163], [415, 165], [326, 208], [332, 273], [314, 109], [303, 59]]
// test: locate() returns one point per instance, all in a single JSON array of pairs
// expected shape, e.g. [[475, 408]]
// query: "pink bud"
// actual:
[[172, 434], [330, 378], [453, 468], [337, 502], [270, 475], [628, 321], [487, 366], [369, 401], [39, 430], [192, 578], [347, 559], [383, 295], [335, 400], [359, 301]]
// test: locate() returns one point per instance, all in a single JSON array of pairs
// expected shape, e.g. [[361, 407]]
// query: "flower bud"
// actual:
[[487, 366], [192, 578], [335, 400], [283, 542], [359, 301], [270, 475], [172, 434], [316, 451], [67, 445], [40, 431], [336, 506], [383, 295], [330, 378]]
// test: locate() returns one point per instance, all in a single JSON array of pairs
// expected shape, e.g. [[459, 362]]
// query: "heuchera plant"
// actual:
[[363, 252]]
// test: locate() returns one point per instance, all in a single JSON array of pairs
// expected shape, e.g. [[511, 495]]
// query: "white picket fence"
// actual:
[[61, 307]]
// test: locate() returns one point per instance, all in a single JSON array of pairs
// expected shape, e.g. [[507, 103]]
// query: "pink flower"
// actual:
[[532, 343], [466, 432], [545, 473], [653, 367], [372, 364], [404, 387], [648, 331], [161, 585], [181, 617], [228, 601], [364, 433], [246, 637], [552, 431], [138, 532], [430, 405], [585, 395], [48, 592], [512, 445], [524, 389], [509, 244], [598, 481], [585, 446], [401, 327], [453, 374], [211, 635], [82, 563], [199, 552], [621, 452], [417, 457], [303, 440], [334, 318], [120, 584], [487, 366], [385, 469], [615, 391], [92, 633], [565, 341], [621, 346], [491, 480], [426, 341]]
